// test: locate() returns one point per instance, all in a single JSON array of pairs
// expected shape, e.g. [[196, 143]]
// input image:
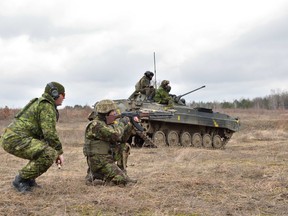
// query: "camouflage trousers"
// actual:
[[121, 155], [110, 167], [40, 155]]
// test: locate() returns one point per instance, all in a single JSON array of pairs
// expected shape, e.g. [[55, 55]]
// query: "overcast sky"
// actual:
[[100, 49]]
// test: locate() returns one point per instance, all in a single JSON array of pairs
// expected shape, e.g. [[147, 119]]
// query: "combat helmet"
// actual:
[[149, 74], [164, 83], [105, 106]]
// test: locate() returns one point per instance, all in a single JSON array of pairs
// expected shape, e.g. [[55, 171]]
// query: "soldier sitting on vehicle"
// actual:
[[144, 86], [162, 94]]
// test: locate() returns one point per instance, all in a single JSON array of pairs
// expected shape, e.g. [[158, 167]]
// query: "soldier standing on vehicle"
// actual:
[[144, 86], [33, 136], [105, 144], [162, 94]]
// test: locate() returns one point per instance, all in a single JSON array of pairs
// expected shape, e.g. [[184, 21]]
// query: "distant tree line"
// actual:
[[78, 107], [276, 100]]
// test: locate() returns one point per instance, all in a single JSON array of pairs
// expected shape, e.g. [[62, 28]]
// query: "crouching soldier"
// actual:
[[105, 146], [32, 136]]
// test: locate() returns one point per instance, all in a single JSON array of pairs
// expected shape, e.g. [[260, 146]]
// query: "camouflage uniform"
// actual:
[[143, 86], [162, 94], [32, 135], [104, 146]]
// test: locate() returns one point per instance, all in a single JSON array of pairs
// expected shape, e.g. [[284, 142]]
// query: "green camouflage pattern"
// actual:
[[114, 137], [105, 106], [33, 136], [163, 97]]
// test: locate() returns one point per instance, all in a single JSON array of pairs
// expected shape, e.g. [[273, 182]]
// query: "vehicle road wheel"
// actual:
[[173, 138], [217, 142], [185, 139], [159, 139], [207, 141], [146, 126], [197, 140]]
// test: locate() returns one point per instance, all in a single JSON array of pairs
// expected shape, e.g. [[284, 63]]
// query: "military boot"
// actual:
[[22, 185], [91, 177], [33, 183], [94, 179], [130, 181]]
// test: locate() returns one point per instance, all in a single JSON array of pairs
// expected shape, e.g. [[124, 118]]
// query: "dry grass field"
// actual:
[[249, 177]]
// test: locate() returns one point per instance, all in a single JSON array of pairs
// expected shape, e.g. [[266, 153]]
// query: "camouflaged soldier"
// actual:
[[143, 86], [105, 146], [32, 136], [162, 94]]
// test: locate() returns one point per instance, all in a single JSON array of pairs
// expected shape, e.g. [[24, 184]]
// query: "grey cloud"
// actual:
[[241, 69], [112, 74], [114, 66], [37, 27], [257, 57]]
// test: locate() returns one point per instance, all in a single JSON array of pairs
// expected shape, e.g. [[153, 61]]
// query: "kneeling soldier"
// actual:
[[105, 144]]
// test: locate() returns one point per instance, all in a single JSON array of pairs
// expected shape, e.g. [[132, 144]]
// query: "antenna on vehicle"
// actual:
[[155, 71]]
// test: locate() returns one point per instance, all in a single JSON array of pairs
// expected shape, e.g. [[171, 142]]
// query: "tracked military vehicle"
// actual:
[[195, 127]]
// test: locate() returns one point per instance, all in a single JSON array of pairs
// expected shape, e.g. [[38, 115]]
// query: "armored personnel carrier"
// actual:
[[196, 127]]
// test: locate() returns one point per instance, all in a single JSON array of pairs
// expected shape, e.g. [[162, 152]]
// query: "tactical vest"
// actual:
[[92, 147]]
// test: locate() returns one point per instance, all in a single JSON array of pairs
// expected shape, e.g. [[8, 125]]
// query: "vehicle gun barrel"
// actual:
[[191, 91]]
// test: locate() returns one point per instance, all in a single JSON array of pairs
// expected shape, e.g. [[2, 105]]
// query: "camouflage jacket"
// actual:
[[38, 120], [162, 96], [143, 83], [100, 137]]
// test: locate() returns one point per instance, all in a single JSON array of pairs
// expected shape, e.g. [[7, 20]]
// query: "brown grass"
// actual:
[[249, 177]]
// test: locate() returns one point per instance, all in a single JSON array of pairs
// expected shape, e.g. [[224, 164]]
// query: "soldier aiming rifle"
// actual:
[[139, 130], [106, 147], [141, 115]]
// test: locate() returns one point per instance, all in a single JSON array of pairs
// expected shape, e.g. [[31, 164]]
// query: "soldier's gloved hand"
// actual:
[[136, 119], [125, 120]]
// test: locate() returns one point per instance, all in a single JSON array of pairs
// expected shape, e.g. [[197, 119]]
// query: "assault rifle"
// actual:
[[141, 115]]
